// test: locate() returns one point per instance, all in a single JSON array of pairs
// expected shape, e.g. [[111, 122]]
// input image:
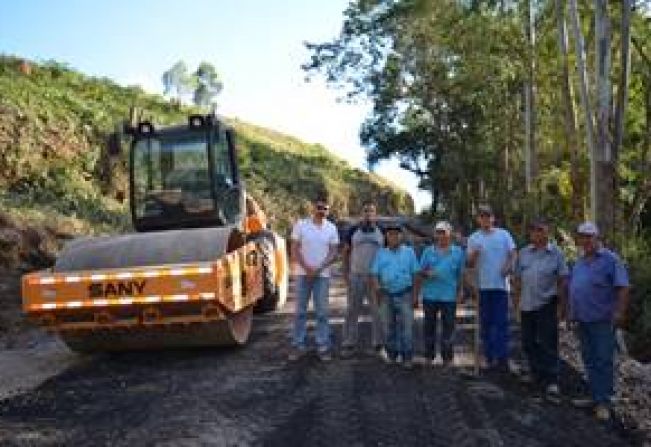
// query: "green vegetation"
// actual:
[[506, 102], [54, 122]]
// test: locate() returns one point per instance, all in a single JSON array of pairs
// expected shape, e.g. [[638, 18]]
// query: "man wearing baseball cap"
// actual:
[[492, 251], [442, 267], [598, 302], [394, 272]]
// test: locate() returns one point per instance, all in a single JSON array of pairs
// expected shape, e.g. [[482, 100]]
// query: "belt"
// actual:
[[397, 294]]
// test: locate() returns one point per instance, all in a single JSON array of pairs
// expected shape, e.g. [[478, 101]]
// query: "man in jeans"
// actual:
[[395, 269], [541, 280], [598, 302], [314, 247], [361, 245], [442, 269], [492, 251]]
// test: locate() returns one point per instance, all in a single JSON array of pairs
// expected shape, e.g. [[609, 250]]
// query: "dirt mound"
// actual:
[[27, 247]]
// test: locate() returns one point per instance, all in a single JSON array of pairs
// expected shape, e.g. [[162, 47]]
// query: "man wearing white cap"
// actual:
[[442, 268], [598, 301]]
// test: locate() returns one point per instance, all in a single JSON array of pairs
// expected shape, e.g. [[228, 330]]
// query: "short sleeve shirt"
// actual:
[[395, 269], [593, 286], [539, 271], [447, 266], [363, 247], [495, 247], [315, 241]]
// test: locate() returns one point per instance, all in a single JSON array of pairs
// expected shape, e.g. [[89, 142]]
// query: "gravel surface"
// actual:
[[255, 396]]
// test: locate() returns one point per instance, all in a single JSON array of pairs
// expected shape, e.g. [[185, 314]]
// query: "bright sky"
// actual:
[[256, 45]]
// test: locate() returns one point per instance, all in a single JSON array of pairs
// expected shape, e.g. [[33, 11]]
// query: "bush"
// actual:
[[637, 252]]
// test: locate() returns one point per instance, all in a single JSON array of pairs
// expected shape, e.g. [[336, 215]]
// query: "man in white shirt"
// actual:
[[314, 248]]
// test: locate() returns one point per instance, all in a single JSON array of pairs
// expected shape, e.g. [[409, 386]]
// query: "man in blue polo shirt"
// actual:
[[442, 269], [598, 301], [394, 271]]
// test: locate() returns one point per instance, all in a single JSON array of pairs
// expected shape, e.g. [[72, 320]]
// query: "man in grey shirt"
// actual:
[[360, 246], [541, 278]]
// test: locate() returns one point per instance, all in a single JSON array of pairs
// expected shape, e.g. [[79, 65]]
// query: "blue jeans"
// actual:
[[399, 319], [597, 351], [448, 315], [358, 289], [540, 341], [494, 318], [317, 287]]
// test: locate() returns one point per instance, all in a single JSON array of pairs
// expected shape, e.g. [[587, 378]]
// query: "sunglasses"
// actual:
[[322, 207]]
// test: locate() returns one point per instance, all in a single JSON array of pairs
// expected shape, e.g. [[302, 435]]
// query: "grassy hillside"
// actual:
[[55, 178]]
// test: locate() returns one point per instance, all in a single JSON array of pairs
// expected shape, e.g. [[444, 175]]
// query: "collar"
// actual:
[[601, 251], [548, 248]]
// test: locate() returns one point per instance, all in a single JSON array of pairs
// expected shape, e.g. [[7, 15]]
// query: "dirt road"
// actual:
[[255, 396]]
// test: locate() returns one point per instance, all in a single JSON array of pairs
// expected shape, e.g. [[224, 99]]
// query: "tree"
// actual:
[[204, 83], [571, 131], [209, 84], [176, 81], [446, 81]]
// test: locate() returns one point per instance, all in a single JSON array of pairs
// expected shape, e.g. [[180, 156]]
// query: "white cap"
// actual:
[[588, 228], [443, 226]]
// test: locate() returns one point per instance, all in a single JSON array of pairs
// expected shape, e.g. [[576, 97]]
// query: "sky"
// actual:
[[256, 45]]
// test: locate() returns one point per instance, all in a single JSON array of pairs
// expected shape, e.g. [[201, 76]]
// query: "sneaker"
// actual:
[[582, 402], [602, 412], [325, 356], [384, 355], [553, 393]]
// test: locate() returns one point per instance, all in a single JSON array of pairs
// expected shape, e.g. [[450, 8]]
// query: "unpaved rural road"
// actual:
[[254, 396]]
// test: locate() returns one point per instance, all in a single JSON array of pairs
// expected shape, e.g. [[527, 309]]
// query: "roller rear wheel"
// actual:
[[232, 331]]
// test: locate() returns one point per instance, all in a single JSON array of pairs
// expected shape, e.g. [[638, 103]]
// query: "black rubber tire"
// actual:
[[267, 247], [234, 330]]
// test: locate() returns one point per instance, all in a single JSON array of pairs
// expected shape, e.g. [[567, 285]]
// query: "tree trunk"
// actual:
[[531, 165], [605, 199], [585, 101], [622, 101], [571, 131]]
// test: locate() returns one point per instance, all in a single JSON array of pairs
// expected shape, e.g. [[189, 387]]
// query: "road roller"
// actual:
[[200, 261]]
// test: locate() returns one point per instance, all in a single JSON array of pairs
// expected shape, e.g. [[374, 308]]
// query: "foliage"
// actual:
[[447, 79], [53, 126], [638, 253], [204, 84]]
